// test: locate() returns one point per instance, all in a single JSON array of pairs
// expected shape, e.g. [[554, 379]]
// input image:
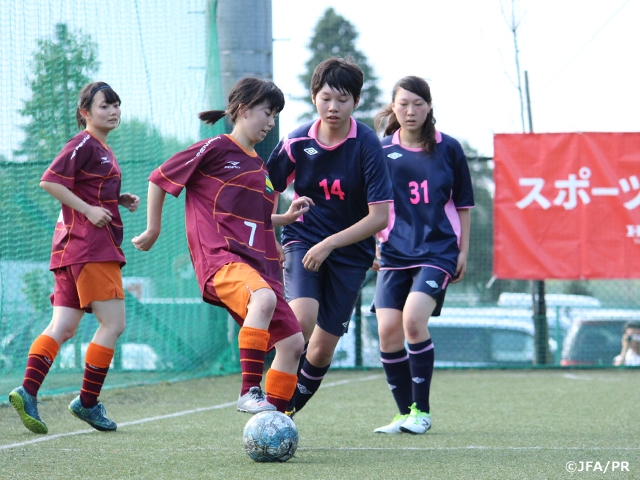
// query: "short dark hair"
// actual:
[[632, 324], [85, 99], [341, 74], [246, 94]]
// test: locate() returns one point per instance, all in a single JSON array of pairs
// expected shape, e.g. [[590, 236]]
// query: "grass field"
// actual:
[[486, 424]]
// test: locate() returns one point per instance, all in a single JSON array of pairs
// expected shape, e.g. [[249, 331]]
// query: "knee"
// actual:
[[263, 302], [297, 345], [415, 326], [118, 328], [66, 333]]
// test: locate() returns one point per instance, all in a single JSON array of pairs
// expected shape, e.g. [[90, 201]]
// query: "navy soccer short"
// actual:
[[335, 286], [393, 286]]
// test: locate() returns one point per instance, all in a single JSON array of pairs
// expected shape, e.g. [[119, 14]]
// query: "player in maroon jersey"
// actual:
[[230, 230], [86, 259]]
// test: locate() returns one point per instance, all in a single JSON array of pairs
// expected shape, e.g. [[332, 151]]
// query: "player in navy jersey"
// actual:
[[86, 259], [422, 250], [229, 219], [337, 162]]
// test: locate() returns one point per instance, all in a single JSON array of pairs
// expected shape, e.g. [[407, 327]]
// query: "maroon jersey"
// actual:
[[90, 170], [228, 206]]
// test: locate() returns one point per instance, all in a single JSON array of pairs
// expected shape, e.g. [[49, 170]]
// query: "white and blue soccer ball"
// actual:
[[270, 437]]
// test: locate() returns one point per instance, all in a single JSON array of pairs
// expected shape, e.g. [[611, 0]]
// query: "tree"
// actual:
[[335, 36], [61, 67]]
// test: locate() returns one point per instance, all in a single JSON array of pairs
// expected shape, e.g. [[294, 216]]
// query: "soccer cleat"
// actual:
[[394, 426], [291, 413], [95, 416], [417, 423], [27, 408], [254, 401]]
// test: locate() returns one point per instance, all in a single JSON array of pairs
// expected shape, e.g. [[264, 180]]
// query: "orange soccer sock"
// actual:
[[41, 356], [253, 344], [96, 367], [280, 387]]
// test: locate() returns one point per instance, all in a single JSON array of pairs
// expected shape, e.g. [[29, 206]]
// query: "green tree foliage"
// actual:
[[335, 36], [61, 67]]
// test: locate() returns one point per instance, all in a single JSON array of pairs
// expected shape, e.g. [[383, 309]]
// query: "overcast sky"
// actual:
[[581, 57]]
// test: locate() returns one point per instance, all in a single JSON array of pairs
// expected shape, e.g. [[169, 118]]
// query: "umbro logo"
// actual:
[[417, 379], [432, 284], [311, 151], [394, 155], [303, 390], [232, 165], [104, 160], [392, 387]]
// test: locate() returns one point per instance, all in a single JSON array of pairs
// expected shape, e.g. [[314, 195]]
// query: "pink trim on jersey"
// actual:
[[396, 140], [452, 214], [395, 360], [425, 349], [353, 131], [383, 235], [291, 243], [286, 145]]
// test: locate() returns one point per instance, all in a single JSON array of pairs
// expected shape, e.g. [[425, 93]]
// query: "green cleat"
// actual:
[[418, 422], [95, 416], [27, 408], [394, 426]]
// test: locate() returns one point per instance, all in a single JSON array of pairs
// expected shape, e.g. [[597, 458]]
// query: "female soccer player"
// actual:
[[424, 247], [86, 259], [229, 206], [337, 162]]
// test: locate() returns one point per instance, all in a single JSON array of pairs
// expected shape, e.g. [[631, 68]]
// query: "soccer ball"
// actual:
[[270, 437]]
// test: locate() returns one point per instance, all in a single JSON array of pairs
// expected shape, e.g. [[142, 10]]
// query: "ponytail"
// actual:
[[210, 117]]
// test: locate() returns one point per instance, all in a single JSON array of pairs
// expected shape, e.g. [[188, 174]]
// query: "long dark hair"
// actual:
[[387, 119], [246, 94], [85, 99]]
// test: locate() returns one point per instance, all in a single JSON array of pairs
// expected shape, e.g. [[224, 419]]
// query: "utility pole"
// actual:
[[537, 287]]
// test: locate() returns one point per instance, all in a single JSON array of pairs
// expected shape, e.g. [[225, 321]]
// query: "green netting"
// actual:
[[166, 66]]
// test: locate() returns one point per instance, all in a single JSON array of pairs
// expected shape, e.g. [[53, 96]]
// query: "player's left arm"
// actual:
[[298, 207], [129, 201], [465, 228], [371, 224]]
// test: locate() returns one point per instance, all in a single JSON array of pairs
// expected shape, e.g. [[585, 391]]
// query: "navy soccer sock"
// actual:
[[309, 380], [398, 373], [421, 359]]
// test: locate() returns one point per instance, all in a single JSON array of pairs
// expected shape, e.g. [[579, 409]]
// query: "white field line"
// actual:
[[572, 376], [163, 417]]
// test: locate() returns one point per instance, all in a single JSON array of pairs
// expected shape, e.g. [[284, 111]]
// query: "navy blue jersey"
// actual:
[[342, 180], [424, 226]]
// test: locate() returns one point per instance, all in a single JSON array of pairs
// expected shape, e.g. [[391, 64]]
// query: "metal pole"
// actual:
[[540, 325]]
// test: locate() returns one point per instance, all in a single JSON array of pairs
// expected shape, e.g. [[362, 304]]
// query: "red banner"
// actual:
[[567, 206]]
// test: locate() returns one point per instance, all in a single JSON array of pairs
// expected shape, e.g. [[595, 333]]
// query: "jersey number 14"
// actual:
[[335, 189]]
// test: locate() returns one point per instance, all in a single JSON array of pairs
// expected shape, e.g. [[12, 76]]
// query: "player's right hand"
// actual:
[[145, 240]]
